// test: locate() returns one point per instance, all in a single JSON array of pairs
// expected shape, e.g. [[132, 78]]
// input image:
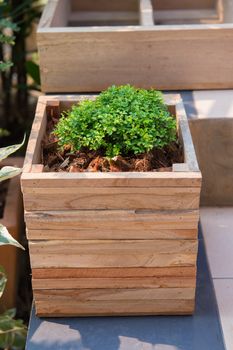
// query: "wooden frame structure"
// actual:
[[86, 46], [111, 243]]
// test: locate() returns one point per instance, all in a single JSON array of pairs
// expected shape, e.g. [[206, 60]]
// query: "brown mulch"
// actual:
[[57, 160]]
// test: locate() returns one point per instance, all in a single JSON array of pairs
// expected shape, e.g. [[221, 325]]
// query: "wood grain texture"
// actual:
[[148, 179], [118, 282], [87, 247], [88, 234], [115, 294], [92, 254], [110, 308], [119, 260], [76, 273], [111, 198], [84, 219], [154, 56], [104, 224]]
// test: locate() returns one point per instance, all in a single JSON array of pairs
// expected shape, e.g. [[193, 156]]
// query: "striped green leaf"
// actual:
[[6, 151], [7, 172], [3, 280]]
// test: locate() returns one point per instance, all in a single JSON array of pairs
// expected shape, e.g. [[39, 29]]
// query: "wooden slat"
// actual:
[[115, 294], [129, 307], [74, 273], [41, 259], [87, 220], [111, 234], [100, 283], [111, 198], [149, 179], [105, 224], [156, 57], [146, 13], [86, 247], [33, 153]]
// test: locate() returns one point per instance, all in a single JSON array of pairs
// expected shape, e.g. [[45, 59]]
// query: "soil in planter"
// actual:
[[55, 159]]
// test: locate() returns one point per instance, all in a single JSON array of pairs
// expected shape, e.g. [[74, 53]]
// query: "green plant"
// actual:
[[121, 121], [19, 69], [7, 29], [8, 172], [12, 332]]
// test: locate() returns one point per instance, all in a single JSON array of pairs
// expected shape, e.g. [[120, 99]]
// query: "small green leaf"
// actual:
[[6, 23], [6, 151], [6, 238], [4, 66], [10, 313]]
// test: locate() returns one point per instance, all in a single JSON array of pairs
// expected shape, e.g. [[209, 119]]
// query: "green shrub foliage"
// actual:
[[122, 120]]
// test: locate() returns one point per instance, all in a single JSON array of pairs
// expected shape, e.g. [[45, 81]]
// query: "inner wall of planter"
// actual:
[[168, 12], [85, 13], [93, 13]]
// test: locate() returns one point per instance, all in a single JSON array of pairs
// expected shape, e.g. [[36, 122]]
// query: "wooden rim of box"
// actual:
[[33, 170]]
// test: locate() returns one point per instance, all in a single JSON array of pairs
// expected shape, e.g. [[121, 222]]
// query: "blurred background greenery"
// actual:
[[19, 91], [19, 76]]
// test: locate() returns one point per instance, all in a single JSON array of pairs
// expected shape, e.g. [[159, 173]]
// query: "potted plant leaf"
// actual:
[[111, 191]]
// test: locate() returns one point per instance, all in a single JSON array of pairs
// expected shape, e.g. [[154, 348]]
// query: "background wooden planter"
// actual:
[[88, 45], [111, 243], [13, 220]]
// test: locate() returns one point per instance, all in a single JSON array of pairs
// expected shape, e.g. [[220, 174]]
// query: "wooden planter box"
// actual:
[[111, 243], [88, 45], [13, 220]]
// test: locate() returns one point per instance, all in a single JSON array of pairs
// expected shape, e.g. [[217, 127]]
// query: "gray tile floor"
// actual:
[[217, 227], [199, 332]]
